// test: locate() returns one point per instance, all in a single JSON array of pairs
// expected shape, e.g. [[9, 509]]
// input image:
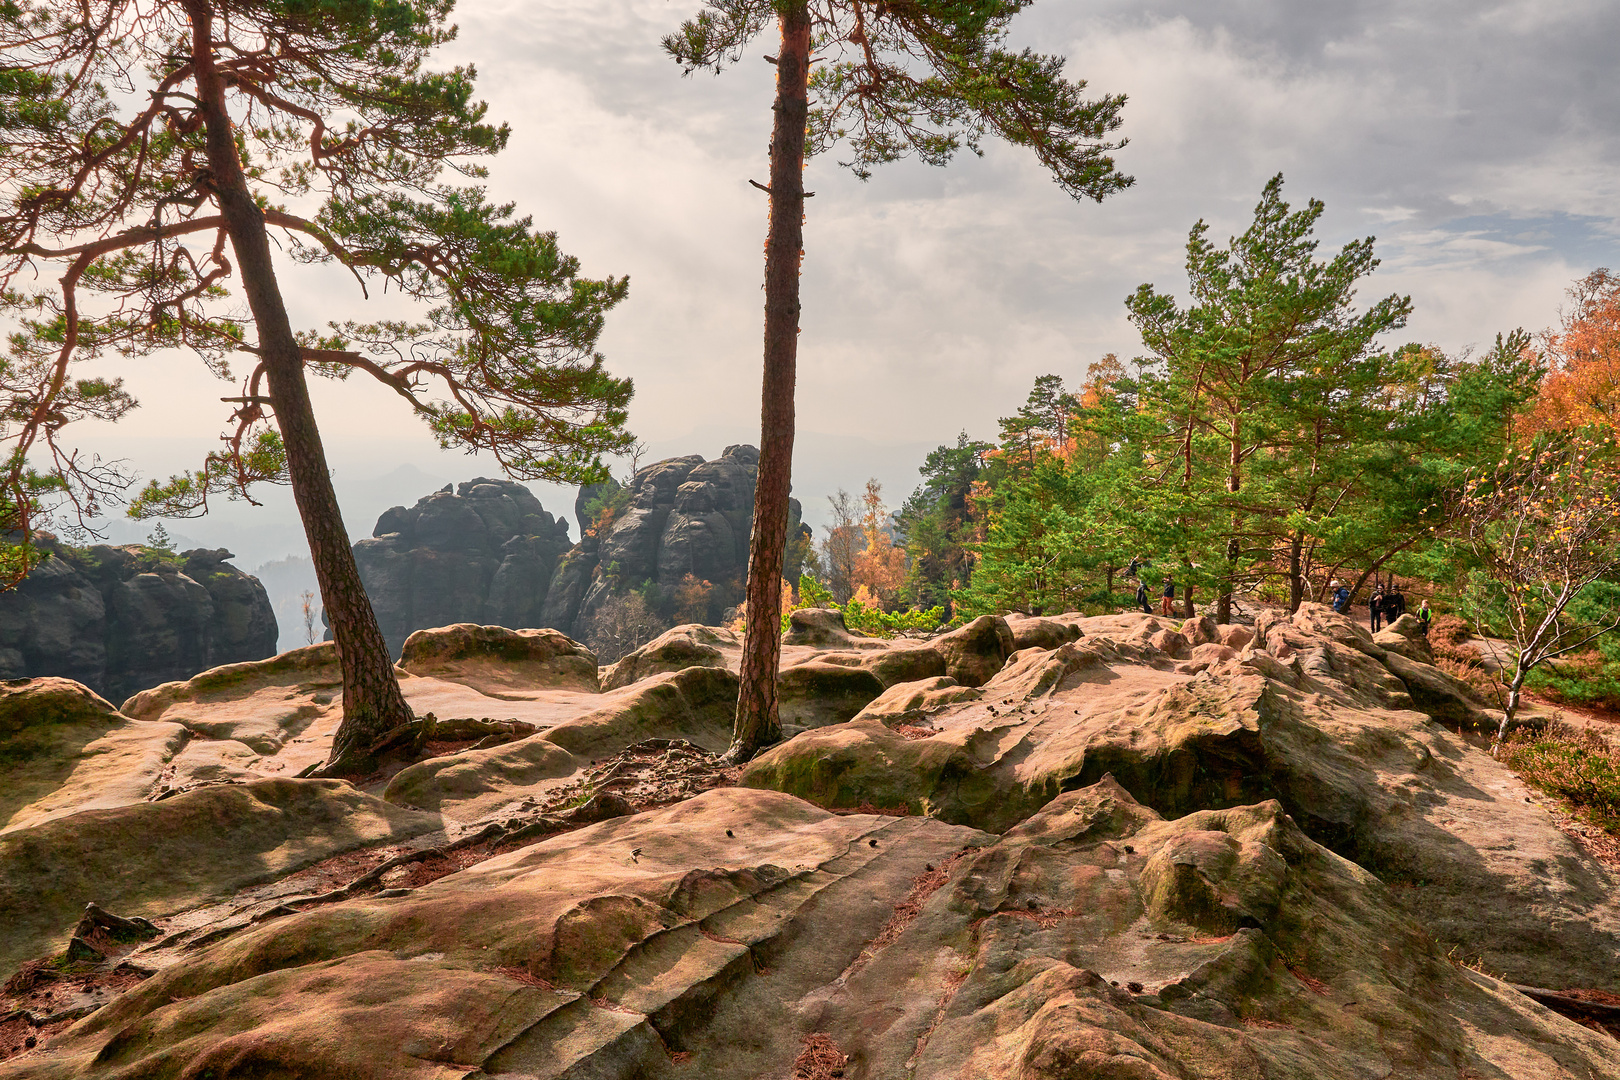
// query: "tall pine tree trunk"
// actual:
[[372, 702], [1234, 482], [1296, 572], [757, 723]]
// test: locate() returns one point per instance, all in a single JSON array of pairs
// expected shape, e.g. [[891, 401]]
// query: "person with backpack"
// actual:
[[1142, 598], [1341, 598]]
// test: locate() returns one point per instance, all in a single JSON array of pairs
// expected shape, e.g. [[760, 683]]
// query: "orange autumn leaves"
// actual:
[[881, 567], [859, 555], [1581, 387]]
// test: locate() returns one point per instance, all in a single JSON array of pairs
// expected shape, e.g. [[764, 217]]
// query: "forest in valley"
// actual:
[[1267, 443]]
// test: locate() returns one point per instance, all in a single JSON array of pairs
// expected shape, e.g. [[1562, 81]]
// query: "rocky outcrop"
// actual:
[[676, 649], [493, 658], [677, 517], [488, 553], [483, 553], [1228, 858], [121, 619], [736, 933]]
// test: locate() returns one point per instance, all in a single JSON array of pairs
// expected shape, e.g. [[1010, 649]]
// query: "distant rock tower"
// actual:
[[488, 552]]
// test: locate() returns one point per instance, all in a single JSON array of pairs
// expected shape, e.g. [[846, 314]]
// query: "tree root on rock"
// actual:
[[410, 742]]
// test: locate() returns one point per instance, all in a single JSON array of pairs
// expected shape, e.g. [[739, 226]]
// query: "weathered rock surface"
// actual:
[[712, 937], [1312, 714], [153, 859], [1405, 636], [121, 619], [688, 645], [64, 749], [484, 553], [493, 658], [1243, 857]]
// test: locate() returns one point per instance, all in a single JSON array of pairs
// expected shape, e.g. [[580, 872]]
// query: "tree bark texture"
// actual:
[[757, 722], [372, 702], [1296, 573]]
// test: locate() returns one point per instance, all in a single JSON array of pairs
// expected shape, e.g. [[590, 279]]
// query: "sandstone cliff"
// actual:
[[483, 553], [677, 517], [121, 619], [488, 552]]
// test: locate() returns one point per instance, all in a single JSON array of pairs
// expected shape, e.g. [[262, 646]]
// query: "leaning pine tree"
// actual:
[[923, 77], [149, 152]]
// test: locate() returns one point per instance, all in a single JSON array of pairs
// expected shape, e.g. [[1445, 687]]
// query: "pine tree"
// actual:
[[1268, 330], [125, 214], [927, 79]]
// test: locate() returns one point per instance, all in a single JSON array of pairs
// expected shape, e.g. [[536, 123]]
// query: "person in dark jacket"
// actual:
[[1167, 598], [1375, 608], [1394, 603], [1142, 597]]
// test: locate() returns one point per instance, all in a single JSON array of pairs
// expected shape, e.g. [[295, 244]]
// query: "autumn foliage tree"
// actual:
[[154, 155], [925, 78], [1582, 356], [880, 568]]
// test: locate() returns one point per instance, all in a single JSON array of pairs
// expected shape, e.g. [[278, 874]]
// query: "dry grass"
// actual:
[[524, 976], [1449, 640], [868, 808]]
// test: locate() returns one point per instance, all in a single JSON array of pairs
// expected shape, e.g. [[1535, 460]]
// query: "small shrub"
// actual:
[[1590, 680], [1575, 765], [1449, 630], [622, 625], [863, 613]]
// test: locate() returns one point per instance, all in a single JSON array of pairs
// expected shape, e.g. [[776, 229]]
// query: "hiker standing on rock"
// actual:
[[1395, 603], [1423, 616], [1341, 598], [1167, 598], [1134, 572]]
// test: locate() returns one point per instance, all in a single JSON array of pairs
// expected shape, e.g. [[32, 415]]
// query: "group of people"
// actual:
[[1167, 595], [1383, 608]]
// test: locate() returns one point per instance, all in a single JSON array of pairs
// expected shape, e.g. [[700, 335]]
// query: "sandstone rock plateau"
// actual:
[[1040, 849], [121, 619]]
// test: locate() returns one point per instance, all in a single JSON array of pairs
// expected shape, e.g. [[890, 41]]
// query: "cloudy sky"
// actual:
[[1479, 142]]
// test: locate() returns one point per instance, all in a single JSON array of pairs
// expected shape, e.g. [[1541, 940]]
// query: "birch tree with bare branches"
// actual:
[[1544, 524]]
